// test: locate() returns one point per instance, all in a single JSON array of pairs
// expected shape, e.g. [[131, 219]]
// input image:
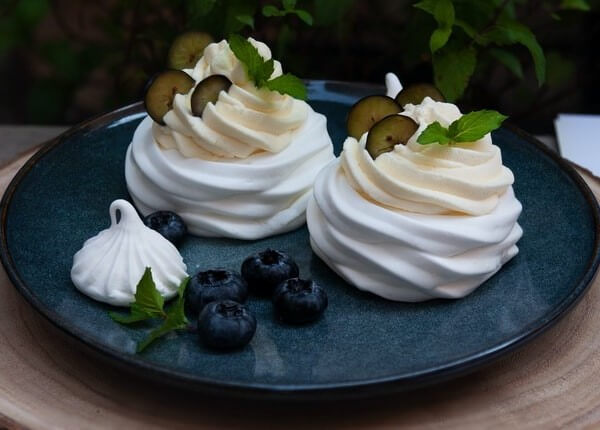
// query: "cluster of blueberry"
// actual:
[[217, 296]]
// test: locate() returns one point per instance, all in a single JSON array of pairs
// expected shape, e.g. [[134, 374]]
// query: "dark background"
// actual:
[[62, 61]]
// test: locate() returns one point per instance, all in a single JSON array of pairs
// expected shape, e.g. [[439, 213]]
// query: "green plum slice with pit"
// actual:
[[161, 92], [415, 94], [207, 91], [367, 112], [389, 132], [187, 49]]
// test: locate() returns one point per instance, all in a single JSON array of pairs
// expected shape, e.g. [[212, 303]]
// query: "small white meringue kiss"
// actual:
[[110, 264]]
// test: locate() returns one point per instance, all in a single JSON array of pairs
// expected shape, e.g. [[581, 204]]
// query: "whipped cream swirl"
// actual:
[[463, 178], [244, 120], [419, 222], [250, 198], [243, 170], [406, 256]]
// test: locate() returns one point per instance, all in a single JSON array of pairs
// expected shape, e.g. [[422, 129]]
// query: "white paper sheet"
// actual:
[[578, 138]]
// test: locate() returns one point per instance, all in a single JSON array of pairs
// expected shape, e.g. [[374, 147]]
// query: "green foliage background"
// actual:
[[62, 61]]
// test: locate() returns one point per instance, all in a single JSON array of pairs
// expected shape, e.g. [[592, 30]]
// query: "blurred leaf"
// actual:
[[16, 28], [439, 38], [582, 5], [510, 9], [452, 70], [10, 36], [443, 13], [199, 8], [246, 20], [509, 60], [30, 12], [508, 32], [561, 70], [270, 10], [328, 12], [288, 4], [476, 14], [304, 16], [234, 9], [418, 30], [467, 28], [427, 6]]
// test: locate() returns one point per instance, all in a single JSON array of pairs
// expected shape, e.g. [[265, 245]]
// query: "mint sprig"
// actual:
[[175, 319], [149, 304], [288, 84], [259, 70], [468, 128]]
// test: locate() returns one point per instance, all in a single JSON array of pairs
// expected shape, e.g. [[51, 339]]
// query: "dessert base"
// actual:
[[250, 198], [406, 256]]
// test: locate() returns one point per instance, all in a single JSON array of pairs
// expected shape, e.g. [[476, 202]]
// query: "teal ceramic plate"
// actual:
[[364, 345]]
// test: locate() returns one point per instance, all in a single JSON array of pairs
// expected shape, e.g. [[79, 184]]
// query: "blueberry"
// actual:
[[226, 325], [214, 285], [267, 269], [299, 301], [168, 224]]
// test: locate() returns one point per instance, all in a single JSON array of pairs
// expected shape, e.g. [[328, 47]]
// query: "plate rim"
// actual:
[[332, 390]]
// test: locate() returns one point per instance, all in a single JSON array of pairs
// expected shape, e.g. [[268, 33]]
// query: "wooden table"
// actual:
[[45, 382]]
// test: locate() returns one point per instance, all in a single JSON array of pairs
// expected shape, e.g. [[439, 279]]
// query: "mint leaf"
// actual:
[[265, 72], [288, 84], [473, 126], [148, 302], [248, 55], [134, 316], [509, 60], [175, 319], [260, 71], [468, 128], [147, 297], [509, 32], [434, 133], [452, 70], [304, 16]]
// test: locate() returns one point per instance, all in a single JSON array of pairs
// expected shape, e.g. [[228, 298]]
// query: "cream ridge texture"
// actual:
[[419, 222], [244, 169]]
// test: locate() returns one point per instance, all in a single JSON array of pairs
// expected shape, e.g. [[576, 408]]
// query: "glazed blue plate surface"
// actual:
[[363, 345]]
